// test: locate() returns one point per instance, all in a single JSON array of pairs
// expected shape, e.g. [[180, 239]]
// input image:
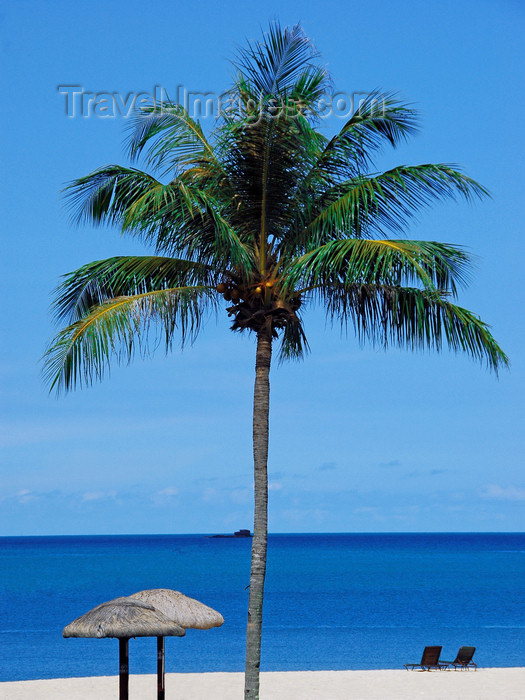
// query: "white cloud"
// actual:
[[275, 486], [98, 495], [504, 493], [168, 491], [25, 495]]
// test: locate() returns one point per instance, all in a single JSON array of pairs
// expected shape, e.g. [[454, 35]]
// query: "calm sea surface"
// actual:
[[336, 601]]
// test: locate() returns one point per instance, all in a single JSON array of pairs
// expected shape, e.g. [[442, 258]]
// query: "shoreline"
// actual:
[[483, 684]]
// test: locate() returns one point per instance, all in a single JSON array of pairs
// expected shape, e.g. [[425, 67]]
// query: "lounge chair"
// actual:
[[463, 659], [430, 659]]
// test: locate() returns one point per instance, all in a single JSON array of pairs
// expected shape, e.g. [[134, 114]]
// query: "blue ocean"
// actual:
[[332, 601]]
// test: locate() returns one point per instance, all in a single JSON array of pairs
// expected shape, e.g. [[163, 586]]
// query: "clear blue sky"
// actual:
[[361, 439]]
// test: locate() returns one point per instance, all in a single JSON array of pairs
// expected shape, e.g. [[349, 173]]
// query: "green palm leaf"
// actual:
[[117, 328], [349, 261], [387, 201], [294, 344], [103, 280], [380, 119], [282, 65], [173, 139], [414, 319], [104, 195], [178, 218]]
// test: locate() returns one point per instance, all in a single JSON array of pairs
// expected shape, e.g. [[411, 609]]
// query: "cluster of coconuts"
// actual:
[[233, 292], [237, 293]]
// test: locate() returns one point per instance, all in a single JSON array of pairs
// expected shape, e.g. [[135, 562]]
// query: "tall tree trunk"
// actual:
[[261, 406]]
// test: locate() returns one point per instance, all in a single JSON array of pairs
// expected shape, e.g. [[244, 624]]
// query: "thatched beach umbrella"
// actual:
[[186, 612], [123, 618]]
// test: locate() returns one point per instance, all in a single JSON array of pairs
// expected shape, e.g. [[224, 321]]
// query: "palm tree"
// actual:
[[269, 215]]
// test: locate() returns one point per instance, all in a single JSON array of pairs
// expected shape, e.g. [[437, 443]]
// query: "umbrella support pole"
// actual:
[[123, 647], [161, 688]]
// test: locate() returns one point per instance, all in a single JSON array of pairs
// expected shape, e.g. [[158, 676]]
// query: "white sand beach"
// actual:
[[484, 684]]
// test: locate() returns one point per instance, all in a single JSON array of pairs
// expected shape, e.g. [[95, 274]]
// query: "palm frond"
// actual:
[[386, 201], [282, 65], [178, 218], [380, 118], [195, 225], [104, 195], [227, 247], [414, 319], [294, 344], [173, 139], [351, 261], [120, 276], [117, 328]]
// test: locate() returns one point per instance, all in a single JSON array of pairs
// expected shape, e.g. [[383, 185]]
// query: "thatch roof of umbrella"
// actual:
[[186, 612], [123, 618]]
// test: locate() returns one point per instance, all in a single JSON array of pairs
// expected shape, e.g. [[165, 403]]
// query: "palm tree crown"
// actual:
[[269, 214]]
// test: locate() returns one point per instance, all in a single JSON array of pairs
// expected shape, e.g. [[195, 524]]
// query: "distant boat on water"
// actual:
[[238, 533]]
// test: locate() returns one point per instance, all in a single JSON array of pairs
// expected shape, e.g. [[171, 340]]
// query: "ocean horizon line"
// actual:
[[270, 534]]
